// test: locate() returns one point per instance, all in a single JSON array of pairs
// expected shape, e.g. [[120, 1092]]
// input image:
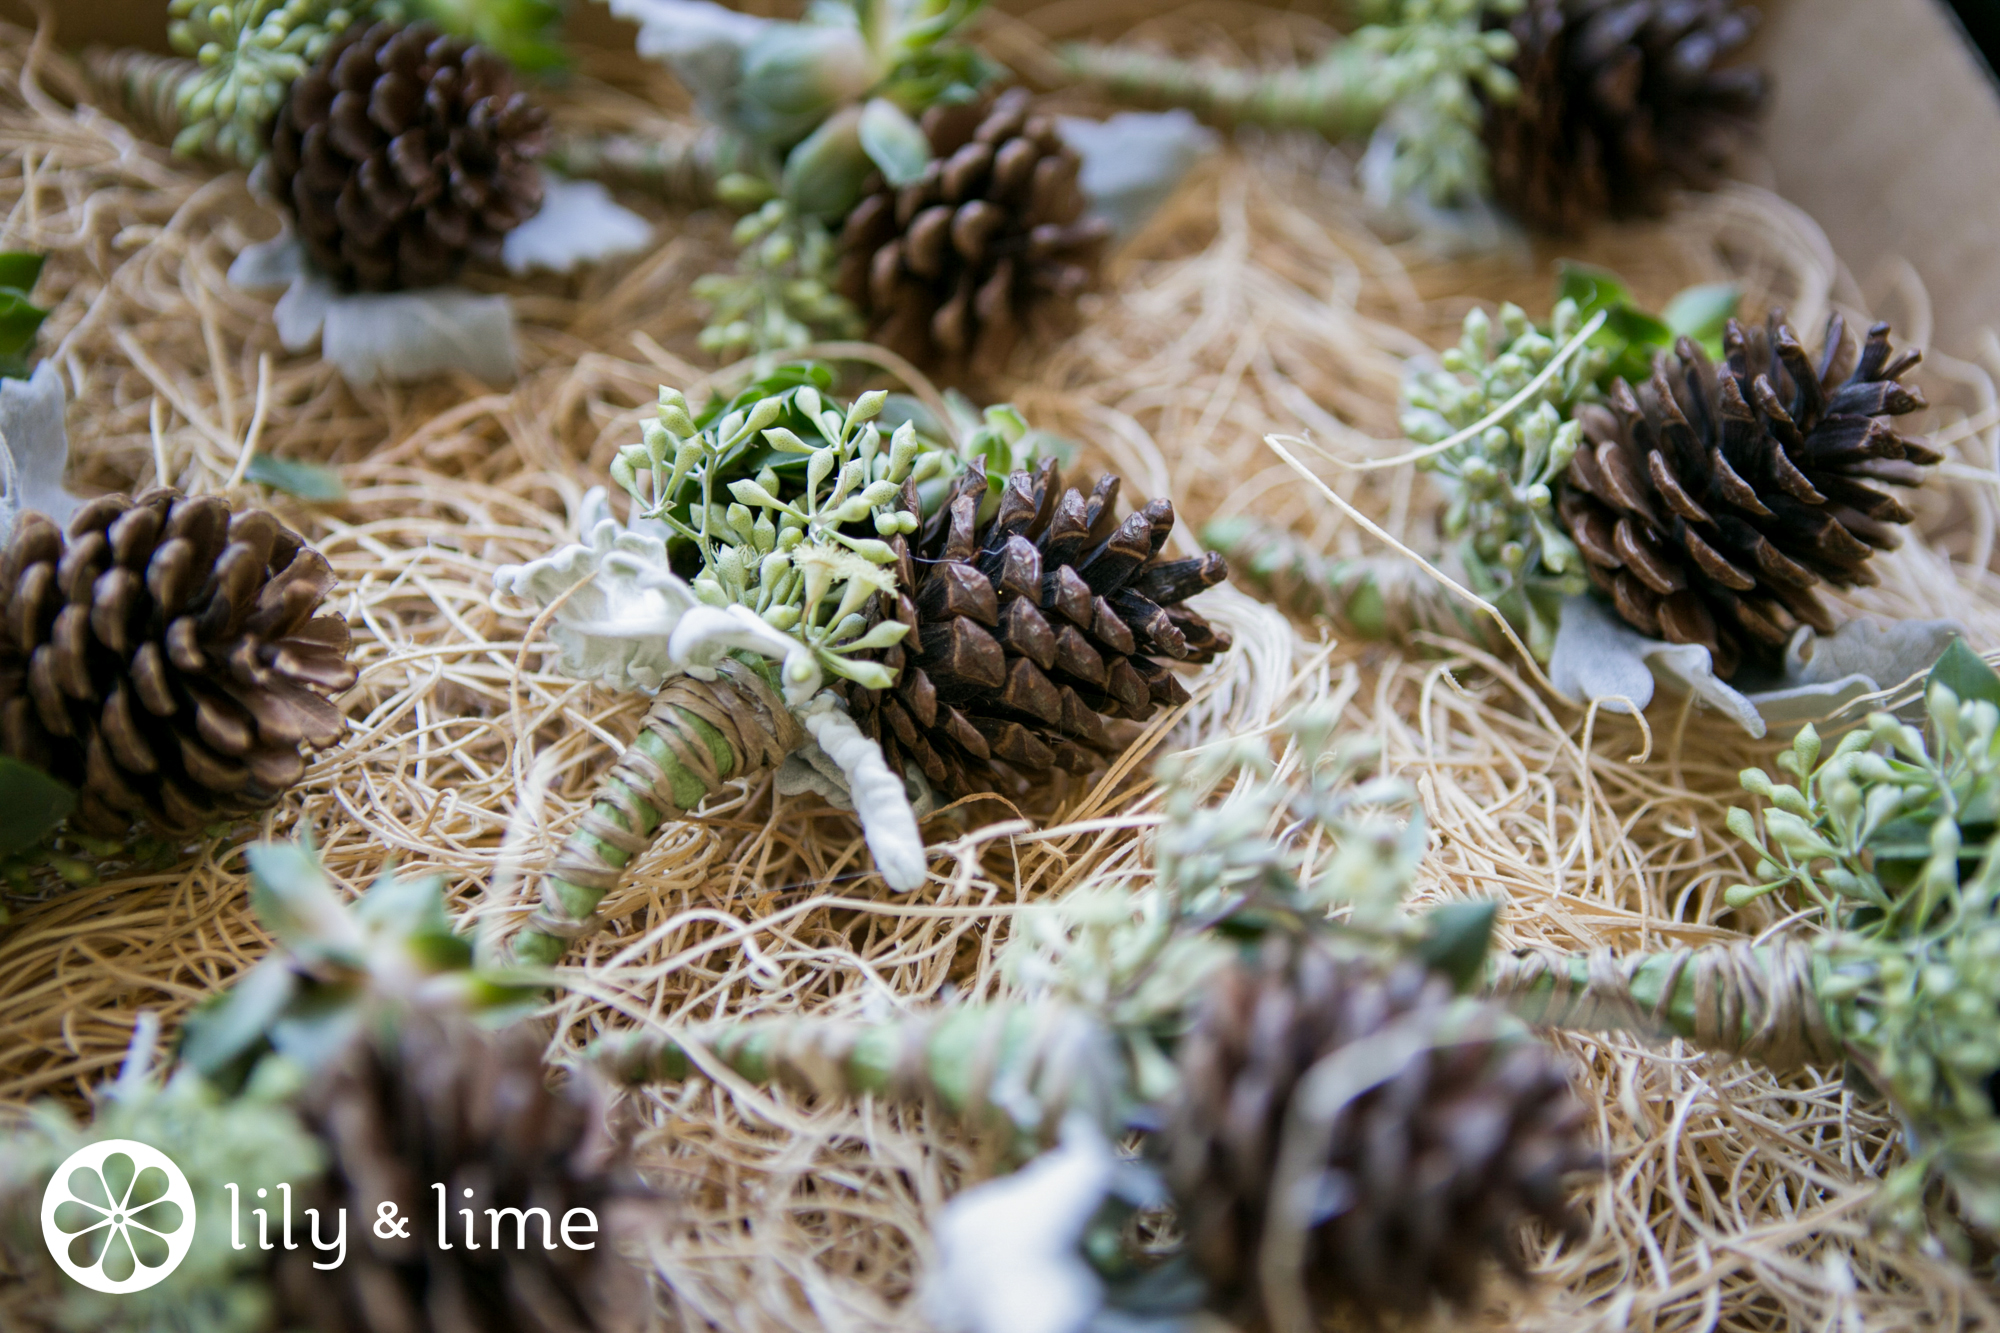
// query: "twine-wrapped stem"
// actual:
[[681, 167], [1022, 1065], [697, 736], [144, 87], [1753, 1001], [1377, 598], [1339, 96]]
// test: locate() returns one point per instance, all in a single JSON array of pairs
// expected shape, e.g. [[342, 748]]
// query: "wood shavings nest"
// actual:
[[1257, 301]]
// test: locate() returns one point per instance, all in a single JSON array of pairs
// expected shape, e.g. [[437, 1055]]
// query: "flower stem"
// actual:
[[697, 736], [1023, 1065], [1339, 96], [1378, 598], [680, 168], [142, 86], [1754, 1001]]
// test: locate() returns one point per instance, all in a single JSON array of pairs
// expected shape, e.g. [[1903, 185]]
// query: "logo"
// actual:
[[118, 1217]]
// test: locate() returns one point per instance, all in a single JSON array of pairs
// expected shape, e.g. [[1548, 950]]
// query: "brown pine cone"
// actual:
[[1424, 1170], [1031, 631], [1620, 99], [163, 658], [442, 1100], [402, 153], [989, 244], [1709, 503]]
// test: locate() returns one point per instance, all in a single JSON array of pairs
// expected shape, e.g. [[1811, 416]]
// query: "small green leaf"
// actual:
[[1593, 289], [20, 320], [1966, 674], [1633, 325], [1701, 313], [20, 270], [894, 142], [1456, 938], [32, 804], [227, 1027], [308, 481]]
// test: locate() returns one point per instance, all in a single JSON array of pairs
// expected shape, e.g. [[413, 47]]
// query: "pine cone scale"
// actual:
[[403, 153], [153, 691], [1013, 658]]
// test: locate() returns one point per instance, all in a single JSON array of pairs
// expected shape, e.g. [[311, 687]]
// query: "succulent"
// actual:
[[249, 51], [759, 619]]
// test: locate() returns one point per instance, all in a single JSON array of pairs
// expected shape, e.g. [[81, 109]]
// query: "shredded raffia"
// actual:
[[1257, 302]]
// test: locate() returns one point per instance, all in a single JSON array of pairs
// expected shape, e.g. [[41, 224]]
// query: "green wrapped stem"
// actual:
[[1340, 96], [1757, 1002], [1378, 598], [680, 168], [1023, 1066], [143, 87], [697, 736]]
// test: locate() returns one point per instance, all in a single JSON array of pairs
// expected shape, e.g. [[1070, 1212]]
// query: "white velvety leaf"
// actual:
[[381, 336], [414, 335], [1599, 656], [878, 795], [1134, 160], [707, 634], [615, 629], [36, 449], [578, 223], [1010, 1258]]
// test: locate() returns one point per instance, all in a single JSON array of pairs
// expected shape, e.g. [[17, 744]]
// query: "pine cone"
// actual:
[[1029, 633], [164, 659], [956, 266], [1618, 100], [1708, 505], [1424, 1173], [401, 153], [444, 1101]]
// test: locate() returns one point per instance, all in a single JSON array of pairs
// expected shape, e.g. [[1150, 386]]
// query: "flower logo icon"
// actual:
[[118, 1216]]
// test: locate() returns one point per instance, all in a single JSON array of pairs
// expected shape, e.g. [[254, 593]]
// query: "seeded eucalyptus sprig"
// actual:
[[1888, 845], [1504, 537]]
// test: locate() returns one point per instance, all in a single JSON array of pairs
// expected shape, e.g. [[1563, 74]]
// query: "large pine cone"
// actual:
[[1423, 1173], [1619, 100], [1030, 632], [401, 153], [1709, 503], [989, 243], [164, 658], [444, 1101]]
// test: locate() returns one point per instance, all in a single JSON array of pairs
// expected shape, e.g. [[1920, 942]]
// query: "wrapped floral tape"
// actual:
[[1886, 847], [807, 602]]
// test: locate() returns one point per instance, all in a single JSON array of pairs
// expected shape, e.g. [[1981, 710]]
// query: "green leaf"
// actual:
[[894, 142], [32, 804], [298, 904], [1593, 289], [20, 320], [20, 270], [308, 481], [1701, 313], [1455, 940], [227, 1027], [1633, 325], [1965, 674]]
